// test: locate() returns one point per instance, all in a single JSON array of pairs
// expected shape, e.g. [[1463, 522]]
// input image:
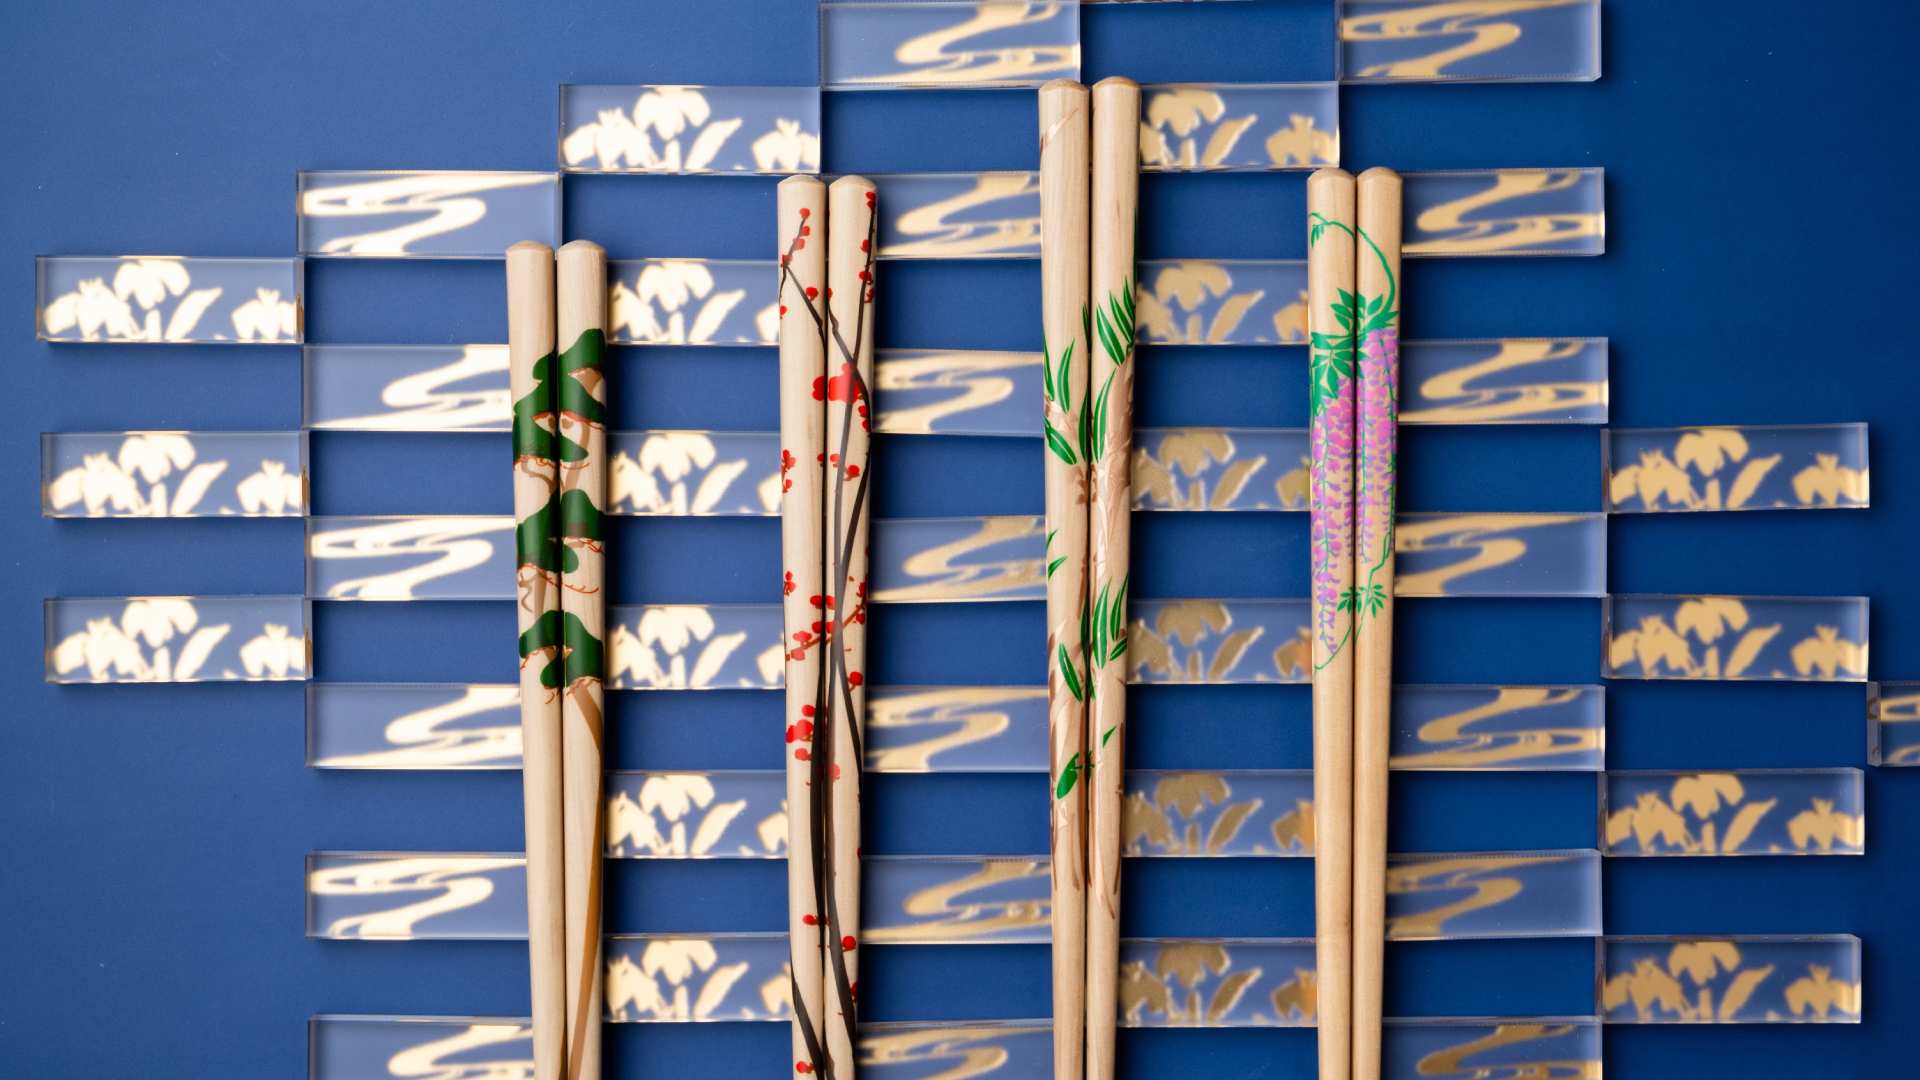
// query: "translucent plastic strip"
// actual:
[[693, 302], [407, 388], [690, 130], [1469, 40], [177, 639], [1503, 894], [395, 214], [1783, 979], [920, 560], [1481, 728], [1505, 212], [696, 815], [173, 474], [1737, 812], [1504, 381], [1801, 467], [665, 979], [1219, 641], [1222, 302], [1893, 723], [167, 298], [1218, 469], [694, 647], [959, 215], [1220, 127], [957, 392], [410, 558], [945, 900], [948, 44], [950, 729], [1801, 638], [1511, 555], [695, 473]]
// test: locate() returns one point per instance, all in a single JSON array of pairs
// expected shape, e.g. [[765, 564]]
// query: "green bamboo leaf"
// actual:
[[1046, 368], [1055, 565], [1069, 775], [1066, 368], [1108, 734], [1058, 444], [1099, 648], [1069, 676], [1086, 434]]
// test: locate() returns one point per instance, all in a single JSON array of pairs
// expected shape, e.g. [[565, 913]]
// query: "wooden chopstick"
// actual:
[[582, 454], [802, 235], [1377, 277], [1330, 285], [853, 236], [1115, 201], [531, 370]]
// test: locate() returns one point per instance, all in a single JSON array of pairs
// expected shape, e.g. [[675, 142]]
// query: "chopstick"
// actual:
[[1065, 360], [852, 237], [582, 453], [531, 369], [1330, 407], [1377, 277], [801, 231], [1115, 187]]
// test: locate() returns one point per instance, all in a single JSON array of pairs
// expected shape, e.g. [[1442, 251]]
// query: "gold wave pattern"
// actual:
[[443, 883], [948, 57], [953, 910], [1455, 745], [457, 1057], [434, 738], [942, 719], [1446, 21], [422, 400], [933, 231], [1447, 230], [1478, 883], [961, 1052], [450, 545], [1482, 542], [967, 379], [431, 204], [942, 572], [1458, 1062], [1455, 398]]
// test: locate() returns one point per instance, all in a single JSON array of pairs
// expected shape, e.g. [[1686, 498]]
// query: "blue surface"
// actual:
[[151, 845]]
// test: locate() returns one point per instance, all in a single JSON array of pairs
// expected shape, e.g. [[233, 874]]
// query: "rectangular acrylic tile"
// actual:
[[955, 900], [402, 214], [173, 474], [1893, 723], [1736, 812], [1500, 894], [996, 1049], [161, 639], [1218, 814], [1222, 302], [971, 729], [409, 896], [694, 647], [1504, 381], [694, 473], [696, 815], [1770, 979], [1219, 641], [1506, 212], [407, 388], [1470, 41], [1500, 555], [167, 298], [1802, 638], [694, 978], [689, 130], [1794, 466], [959, 559], [347, 1047], [948, 44], [413, 726], [957, 392], [1217, 983], [983, 215], [1511, 1048], [1220, 127], [1220, 469], [1524, 728], [693, 302], [410, 558]]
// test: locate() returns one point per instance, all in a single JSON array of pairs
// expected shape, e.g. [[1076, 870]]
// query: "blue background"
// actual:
[[1760, 231]]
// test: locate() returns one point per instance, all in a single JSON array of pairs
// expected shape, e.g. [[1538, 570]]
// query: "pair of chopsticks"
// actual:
[[1353, 286], [1089, 162], [559, 492], [827, 238]]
